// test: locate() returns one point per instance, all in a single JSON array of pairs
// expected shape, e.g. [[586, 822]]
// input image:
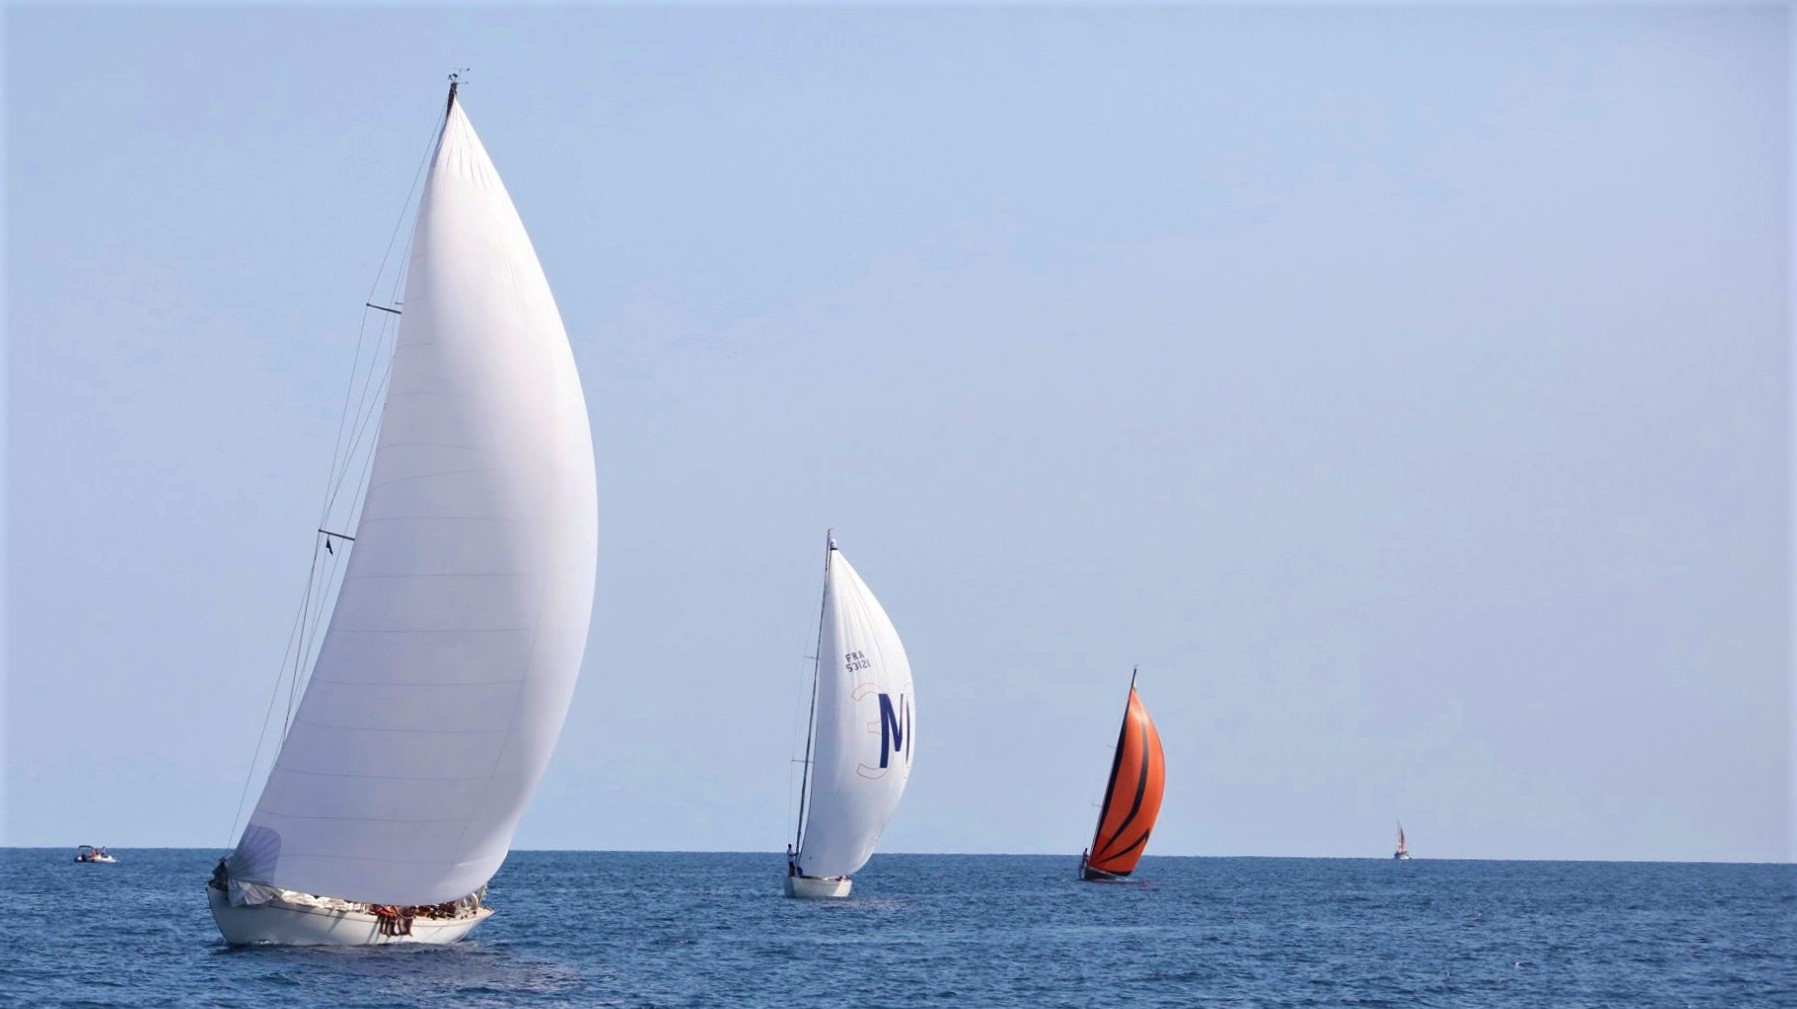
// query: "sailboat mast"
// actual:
[[817, 661], [1110, 786]]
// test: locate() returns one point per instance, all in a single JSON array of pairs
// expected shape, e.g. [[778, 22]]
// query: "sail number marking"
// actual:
[[856, 661]]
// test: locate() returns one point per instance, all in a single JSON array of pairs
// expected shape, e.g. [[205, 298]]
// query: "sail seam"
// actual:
[[385, 729], [370, 858], [371, 777], [348, 819], [451, 518], [335, 630], [432, 476], [393, 394], [455, 629], [419, 683], [517, 709], [444, 574], [435, 444]]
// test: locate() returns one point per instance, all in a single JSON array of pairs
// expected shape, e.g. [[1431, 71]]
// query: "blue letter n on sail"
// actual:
[[892, 726]]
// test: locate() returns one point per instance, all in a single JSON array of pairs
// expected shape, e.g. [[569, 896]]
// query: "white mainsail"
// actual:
[[458, 633], [865, 725]]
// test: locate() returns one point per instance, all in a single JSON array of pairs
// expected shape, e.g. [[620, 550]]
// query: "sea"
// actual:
[[643, 929]]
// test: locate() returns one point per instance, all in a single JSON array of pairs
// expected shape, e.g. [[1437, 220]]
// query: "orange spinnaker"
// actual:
[[1132, 800]]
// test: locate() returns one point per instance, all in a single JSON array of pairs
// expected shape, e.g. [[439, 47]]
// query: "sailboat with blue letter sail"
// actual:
[[861, 740], [452, 652]]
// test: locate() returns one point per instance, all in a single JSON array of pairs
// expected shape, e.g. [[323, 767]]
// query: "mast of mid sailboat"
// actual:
[[817, 658]]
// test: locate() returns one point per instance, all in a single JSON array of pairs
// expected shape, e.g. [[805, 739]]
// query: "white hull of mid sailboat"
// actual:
[[279, 925], [817, 888]]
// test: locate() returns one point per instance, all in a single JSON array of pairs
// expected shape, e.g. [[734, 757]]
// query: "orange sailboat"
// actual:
[[1132, 799]]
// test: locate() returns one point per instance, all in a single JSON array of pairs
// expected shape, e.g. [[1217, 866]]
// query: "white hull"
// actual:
[[287, 925], [816, 888]]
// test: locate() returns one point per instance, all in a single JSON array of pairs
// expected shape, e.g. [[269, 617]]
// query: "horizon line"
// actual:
[[999, 854]]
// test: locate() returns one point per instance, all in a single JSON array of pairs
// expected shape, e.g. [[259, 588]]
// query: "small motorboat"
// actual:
[[89, 853]]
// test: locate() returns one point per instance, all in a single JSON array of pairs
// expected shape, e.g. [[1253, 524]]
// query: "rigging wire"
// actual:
[[366, 415], [332, 477], [817, 672], [306, 655], [262, 736], [300, 651], [792, 743], [344, 451], [342, 456], [364, 424]]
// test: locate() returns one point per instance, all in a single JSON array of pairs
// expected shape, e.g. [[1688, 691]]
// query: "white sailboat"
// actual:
[[861, 741], [1403, 852], [451, 656]]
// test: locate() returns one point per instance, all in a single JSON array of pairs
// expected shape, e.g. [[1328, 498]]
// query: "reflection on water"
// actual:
[[471, 965]]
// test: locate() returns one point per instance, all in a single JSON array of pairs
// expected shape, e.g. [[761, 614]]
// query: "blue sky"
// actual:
[[1406, 391]]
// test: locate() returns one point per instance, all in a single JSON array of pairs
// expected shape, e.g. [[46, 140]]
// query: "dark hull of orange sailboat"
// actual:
[[1087, 874]]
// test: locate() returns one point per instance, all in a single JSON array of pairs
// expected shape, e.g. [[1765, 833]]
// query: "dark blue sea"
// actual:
[[650, 929]]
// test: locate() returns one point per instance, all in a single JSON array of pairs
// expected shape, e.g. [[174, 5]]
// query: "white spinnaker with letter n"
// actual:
[[866, 724], [451, 656]]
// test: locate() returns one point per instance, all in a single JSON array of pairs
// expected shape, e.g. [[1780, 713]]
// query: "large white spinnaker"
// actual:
[[865, 727], [458, 633]]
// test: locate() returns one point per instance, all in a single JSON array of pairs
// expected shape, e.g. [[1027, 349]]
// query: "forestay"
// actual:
[[866, 725], [451, 656]]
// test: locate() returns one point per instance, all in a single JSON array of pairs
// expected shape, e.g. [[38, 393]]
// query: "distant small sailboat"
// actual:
[[457, 635], [1403, 852], [1132, 798], [862, 736], [90, 854]]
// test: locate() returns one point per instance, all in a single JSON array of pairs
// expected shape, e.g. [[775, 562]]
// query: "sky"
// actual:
[[1406, 391]]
